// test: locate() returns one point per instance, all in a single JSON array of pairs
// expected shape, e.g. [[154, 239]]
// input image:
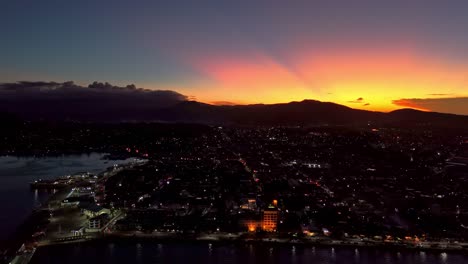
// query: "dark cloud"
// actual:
[[223, 103], [69, 100], [440, 94], [357, 101], [456, 105]]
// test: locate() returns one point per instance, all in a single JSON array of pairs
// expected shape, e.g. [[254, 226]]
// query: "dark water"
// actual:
[[153, 252], [17, 200]]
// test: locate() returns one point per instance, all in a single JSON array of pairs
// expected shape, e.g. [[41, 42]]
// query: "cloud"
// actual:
[[456, 105], [440, 94], [223, 103], [69, 100], [360, 100]]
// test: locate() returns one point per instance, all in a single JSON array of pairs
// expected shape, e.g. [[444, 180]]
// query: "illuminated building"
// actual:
[[251, 225], [270, 219], [94, 210], [96, 222], [249, 204], [275, 203]]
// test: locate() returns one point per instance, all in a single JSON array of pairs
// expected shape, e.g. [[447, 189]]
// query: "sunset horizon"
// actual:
[[358, 103], [365, 55]]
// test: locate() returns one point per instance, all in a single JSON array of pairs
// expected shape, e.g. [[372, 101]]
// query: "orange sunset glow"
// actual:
[[365, 54], [377, 79]]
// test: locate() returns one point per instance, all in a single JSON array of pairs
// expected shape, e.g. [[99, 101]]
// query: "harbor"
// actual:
[[27, 228]]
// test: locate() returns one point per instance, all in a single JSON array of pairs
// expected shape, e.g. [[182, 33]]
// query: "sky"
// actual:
[[373, 55]]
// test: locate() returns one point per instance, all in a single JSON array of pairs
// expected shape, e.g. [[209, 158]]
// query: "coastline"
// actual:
[[106, 155], [321, 243], [21, 243], [241, 239]]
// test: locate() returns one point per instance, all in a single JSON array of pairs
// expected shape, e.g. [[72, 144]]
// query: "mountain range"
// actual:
[[307, 112]]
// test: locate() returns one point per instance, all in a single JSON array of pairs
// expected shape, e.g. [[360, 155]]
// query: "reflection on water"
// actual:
[[36, 198], [17, 172], [443, 257], [139, 254], [151, 252]]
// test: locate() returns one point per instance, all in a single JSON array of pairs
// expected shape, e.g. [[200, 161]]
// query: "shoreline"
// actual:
[[255, 241], [250, 239], [117, 156], [12, 246]]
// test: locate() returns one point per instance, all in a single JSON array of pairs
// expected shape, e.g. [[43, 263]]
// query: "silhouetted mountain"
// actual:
[[97, 102], [307, 112], [103, 102], [412, 117], [294, 113]]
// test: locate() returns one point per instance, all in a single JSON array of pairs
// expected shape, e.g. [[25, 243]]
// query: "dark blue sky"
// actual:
[[245, 51]]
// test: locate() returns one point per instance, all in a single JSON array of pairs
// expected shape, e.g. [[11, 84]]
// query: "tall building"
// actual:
[[270, 219]]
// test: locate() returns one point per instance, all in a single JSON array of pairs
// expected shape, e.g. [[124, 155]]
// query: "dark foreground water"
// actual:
[[18, 200], [153, 252]]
